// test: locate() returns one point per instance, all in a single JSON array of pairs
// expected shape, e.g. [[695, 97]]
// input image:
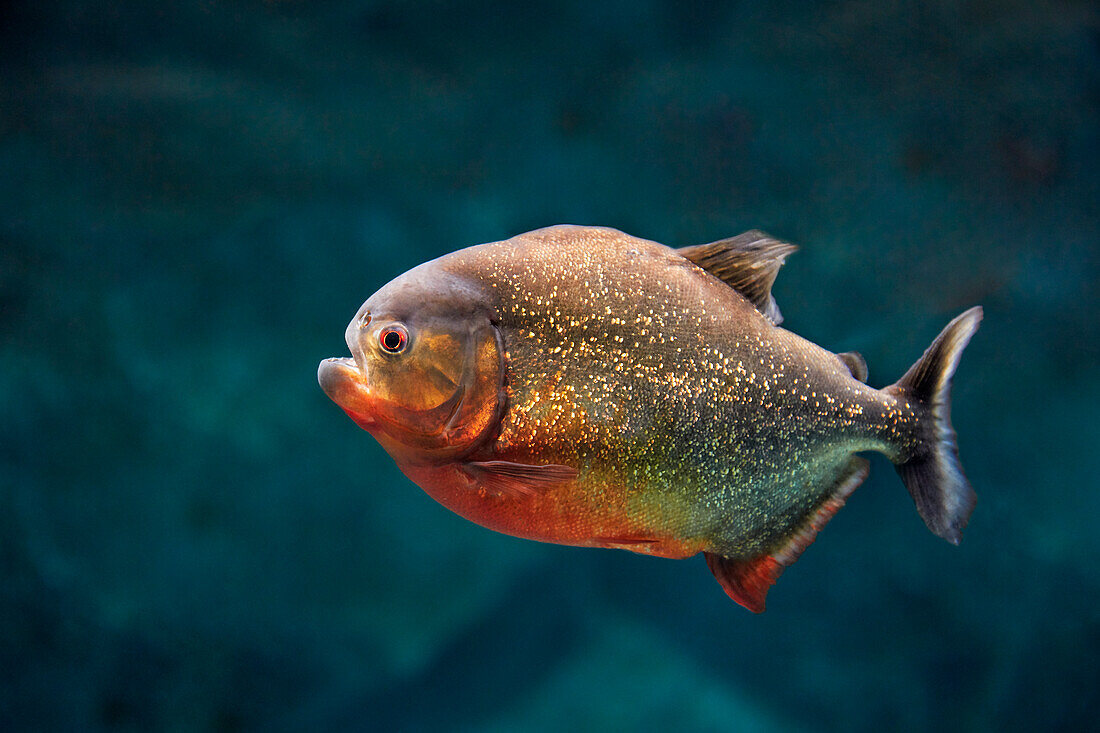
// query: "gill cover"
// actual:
[[441, 393]]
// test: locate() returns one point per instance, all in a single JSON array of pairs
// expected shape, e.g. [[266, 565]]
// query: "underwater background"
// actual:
[[195, 198]]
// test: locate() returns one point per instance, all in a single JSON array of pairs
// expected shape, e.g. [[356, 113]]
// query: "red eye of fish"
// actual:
[[393, 339]]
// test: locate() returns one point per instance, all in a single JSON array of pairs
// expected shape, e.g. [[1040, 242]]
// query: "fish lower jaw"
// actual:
[[345, 384]]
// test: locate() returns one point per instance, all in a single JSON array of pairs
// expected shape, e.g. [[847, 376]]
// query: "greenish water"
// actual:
[[195, 198]]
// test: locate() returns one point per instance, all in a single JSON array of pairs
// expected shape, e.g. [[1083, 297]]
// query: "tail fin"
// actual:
[[932, 472]]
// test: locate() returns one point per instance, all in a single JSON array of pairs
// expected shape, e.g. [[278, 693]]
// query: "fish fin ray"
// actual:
[[748, 263], [747, 580], [851, 477], [518, 479], [855, 364], [627, 540], [932, 472]]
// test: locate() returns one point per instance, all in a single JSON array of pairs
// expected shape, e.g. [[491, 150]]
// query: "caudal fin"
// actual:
[[932, 472]]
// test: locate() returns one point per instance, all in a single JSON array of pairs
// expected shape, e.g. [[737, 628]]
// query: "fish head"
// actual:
[[426, 375]]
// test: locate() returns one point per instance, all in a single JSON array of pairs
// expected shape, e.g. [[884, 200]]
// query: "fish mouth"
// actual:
[[345, 383]]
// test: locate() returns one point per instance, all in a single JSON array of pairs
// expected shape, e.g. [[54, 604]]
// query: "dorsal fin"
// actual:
[[748, 263]]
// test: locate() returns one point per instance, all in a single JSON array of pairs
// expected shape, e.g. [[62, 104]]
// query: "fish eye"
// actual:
[[393, 338]]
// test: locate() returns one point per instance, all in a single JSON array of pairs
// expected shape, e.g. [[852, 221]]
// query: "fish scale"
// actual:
[[619, 393], [720, 427]]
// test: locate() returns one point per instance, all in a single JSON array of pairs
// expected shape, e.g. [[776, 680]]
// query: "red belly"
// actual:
[[562, 515]]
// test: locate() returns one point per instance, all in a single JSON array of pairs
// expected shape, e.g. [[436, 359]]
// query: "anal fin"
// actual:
[[747, 580]]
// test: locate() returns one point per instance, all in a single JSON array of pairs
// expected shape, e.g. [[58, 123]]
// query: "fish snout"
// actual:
[[346, 385], [356, 331]]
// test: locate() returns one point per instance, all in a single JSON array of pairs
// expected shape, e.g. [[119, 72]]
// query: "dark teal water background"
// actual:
[[195, 197]]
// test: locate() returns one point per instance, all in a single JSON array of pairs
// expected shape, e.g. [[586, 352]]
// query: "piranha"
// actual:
[[581, 386]]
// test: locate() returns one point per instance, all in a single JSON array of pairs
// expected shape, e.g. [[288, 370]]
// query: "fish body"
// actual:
[[592, 388]]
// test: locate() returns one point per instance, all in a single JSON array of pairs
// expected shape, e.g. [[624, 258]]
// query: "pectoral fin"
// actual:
[[518, 479]]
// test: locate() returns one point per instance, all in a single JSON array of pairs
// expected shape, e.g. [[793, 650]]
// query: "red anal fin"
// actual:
[[747, 580], [518, 479]]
